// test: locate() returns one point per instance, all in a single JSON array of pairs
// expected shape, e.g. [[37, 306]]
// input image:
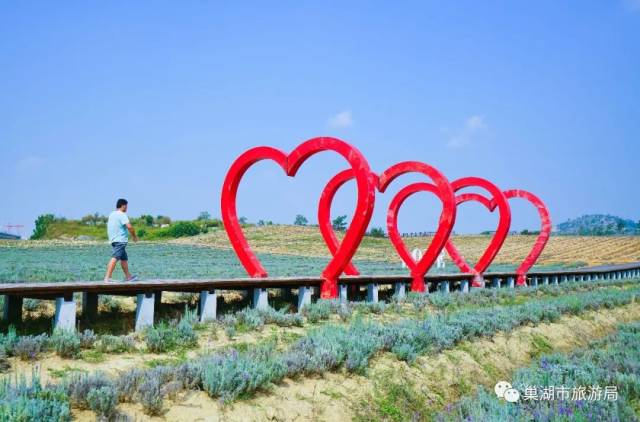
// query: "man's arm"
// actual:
[[132, 231]]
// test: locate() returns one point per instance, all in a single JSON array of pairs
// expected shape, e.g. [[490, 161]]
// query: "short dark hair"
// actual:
[[121, 202]]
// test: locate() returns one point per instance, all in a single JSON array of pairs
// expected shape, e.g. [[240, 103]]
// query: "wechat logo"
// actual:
[[505, 390]]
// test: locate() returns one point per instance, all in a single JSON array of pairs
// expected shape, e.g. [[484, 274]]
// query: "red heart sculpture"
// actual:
[[442, 188], [324, 215], [498, 200], [541, 240], [290, 164], [447, 219]]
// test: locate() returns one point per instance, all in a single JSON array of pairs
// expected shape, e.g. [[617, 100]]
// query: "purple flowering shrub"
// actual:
[[578, 381]]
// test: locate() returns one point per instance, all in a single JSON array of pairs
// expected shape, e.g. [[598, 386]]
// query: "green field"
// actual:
[[29, 261]]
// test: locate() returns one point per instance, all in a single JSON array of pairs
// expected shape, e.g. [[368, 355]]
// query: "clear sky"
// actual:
[[152, 101]]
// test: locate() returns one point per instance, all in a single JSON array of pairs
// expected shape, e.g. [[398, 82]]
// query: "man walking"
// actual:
[[118, 229]]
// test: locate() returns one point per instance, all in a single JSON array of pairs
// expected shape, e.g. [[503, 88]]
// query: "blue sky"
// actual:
[[153, 101]]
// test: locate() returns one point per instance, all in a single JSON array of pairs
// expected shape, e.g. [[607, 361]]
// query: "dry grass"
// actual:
[[306, 241]]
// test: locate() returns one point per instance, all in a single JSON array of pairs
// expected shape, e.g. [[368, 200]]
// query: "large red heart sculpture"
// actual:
[[498, 200], [441, 187], [290, 164], [541, 240]]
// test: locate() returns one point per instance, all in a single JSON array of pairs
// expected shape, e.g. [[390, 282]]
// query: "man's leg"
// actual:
[[110, 267], [125, 267]]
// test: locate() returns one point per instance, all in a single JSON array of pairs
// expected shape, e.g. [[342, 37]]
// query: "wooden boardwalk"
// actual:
[[148, 292]]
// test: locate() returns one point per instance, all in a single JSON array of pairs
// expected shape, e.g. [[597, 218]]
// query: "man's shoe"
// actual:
[[110, 280], [132, 278]]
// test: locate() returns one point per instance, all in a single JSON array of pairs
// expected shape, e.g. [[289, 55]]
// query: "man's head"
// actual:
[[122, 205]]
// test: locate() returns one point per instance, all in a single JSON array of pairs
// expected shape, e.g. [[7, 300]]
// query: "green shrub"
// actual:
[[103, 400], [115, 344], [179, 229], [41, 225], [251, 318], [109, 303], [4, 362], [9, 340], [66, 343], [320, 310], [164, 337], [611, 361], [150, 396], [127, 384], [280, 318], [29, 347], [25, 402], [159, 338], [236, 374], [78, 387], [87, 339], [32, 305]]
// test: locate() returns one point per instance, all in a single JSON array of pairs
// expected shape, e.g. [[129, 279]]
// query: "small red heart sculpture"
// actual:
[[290, 164], [447, 219], [498, 200], [443, 190], [541, 240], [324, 214]]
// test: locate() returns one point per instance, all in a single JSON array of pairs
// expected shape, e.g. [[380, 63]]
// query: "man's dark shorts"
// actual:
[[119, 251]]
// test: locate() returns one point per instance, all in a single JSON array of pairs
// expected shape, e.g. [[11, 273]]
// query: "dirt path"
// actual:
[[442, 378]]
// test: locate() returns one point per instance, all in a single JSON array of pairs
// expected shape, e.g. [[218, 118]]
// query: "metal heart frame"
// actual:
[[498, 200], [290, 163], [541, 240], [441, 188]]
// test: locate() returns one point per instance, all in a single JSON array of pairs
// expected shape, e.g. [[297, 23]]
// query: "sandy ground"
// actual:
[[441, 377]]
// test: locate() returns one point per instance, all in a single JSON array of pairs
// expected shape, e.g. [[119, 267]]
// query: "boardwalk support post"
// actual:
[[444, 286], [260, 298], [12, 309], [372, 292], [145, 304], [65, 318], [304, 297], [464, 286], [511, 282], [554, 279], [89, 305], [208, 305], [400, 290], [495, 283], [344, 298]]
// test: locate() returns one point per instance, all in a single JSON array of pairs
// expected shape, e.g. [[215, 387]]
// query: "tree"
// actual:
[[301, 220], [161, 219], [42, 223], [377, 232], [147, 219], [204, 216], [620, 226], [339, 223], [243, 220]]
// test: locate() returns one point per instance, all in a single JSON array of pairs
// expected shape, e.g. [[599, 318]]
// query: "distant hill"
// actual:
[[599, 225]]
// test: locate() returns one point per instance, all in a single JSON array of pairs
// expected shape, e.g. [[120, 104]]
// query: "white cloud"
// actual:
[[473, 126], [341, 120], [30, 163]]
